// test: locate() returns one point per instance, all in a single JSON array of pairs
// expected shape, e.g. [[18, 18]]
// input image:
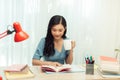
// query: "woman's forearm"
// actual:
[[39, 63], [69, 59]]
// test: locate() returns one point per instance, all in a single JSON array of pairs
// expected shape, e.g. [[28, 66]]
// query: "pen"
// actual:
[[86, 60], [93, 62], [89, 60]]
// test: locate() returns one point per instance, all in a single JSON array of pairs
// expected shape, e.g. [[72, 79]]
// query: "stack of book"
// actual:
[[18, 71], [109, 67]]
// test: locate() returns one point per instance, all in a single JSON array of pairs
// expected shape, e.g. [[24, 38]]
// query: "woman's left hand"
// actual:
[[73, 44], [55, 64]]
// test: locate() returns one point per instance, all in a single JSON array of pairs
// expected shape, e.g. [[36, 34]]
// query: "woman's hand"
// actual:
[[39, 62], [69, 59], [55, 64], [73, 44]]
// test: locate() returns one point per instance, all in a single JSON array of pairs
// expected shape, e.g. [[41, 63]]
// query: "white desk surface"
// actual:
[[39, 75]]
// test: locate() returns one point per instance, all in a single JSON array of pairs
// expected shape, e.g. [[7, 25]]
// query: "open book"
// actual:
[[18, 71], [109, 64], [48, 68]]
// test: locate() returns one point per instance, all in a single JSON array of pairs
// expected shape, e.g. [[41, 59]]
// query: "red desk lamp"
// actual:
[[20, 35], [0, 77]]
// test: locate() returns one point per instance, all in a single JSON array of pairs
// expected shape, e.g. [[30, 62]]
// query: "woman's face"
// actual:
[[57, 31]]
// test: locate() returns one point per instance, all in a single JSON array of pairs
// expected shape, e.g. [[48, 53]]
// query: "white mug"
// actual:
[[67, 44]]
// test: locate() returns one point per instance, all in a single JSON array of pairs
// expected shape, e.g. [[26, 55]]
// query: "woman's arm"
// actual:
[[39, 63], [69, 58]]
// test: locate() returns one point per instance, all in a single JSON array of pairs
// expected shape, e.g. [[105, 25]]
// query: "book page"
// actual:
[[55, 69]]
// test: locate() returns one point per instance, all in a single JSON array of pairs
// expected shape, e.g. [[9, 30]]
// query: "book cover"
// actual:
[[16, 67], [48, 68], [108, 59]]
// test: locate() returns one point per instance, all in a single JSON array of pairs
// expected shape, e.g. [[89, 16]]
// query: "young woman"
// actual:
[[51, 47]]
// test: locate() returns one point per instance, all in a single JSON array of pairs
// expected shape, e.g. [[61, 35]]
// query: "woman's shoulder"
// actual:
[[42, 40]]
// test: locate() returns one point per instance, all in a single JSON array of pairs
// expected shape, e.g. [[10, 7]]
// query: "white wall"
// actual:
[[93, 24]]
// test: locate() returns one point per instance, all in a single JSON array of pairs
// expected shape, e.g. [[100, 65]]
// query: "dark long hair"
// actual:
[[49, 45]]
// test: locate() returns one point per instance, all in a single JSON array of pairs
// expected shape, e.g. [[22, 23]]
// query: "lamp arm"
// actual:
[[3, 34], [10, 32], [7, 32]]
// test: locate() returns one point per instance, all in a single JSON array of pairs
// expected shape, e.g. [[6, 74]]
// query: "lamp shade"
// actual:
[[20, 35]]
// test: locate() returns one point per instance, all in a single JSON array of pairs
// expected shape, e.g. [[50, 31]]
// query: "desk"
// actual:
[[39, 75]]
